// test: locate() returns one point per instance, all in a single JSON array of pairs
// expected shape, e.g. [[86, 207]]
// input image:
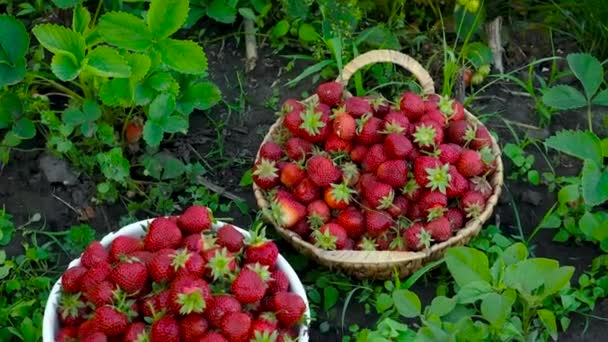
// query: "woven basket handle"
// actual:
[[389, 56]]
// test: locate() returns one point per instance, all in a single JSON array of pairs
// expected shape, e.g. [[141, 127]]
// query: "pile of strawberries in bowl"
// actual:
[[361, 173], [179, 278]]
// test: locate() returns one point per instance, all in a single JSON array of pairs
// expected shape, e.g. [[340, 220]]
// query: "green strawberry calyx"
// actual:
[[410, 187], [425, 135], [424, 238], [70, 305], [445, 107], [266, 169], [257, 236], [191, 300], [367, 244], [325, 240], [261, 270], [473, 210], [470, 134], [311, 121], [386, 201], [264, 336], [315, 220], [439, 178], [393, 127], [341, 192], [350, 172], [361, 122], [435, 212], [220, 264], [180, 258]]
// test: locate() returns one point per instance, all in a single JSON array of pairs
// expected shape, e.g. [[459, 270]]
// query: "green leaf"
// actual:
[[153, 133], [563, 97], [478, 54], [247, 13], [383, 302], [579, 144], [594, 226], [442, 305], [11, 109], [222, 12], [164, 166], [176, 124], [588, 70], [379, 37], [594, 184], [125, 31], [165, 17], [14, 42], [473, 291], [73, 116], [514, 253], [113, 165], [24, 128], [569, 193], [547, 274], [105, 61], [64, 67], [92, 110], [330, 297], [467, 265], [601, 98], [12, 74], [407, 303], [309, 71], [81, 18], [163, 82], [201, 96], [280, 29], [548, 319], [307, 33], [184, 56], [162, 106], [66, 3], [496, 308], [59, 39], [117, 92], [140, 64]]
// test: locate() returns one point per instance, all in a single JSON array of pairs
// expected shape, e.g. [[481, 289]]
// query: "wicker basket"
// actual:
[[383, 264]]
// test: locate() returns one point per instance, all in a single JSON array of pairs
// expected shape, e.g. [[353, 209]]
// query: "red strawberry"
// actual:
[[271, 151], [189, 295], [230, 238], [292, 120], [338, 196], [236, 326], [380, 106], [192, 327], [130, 276], [377, 222], [278, 282], [427, 134], [456, 218], [72, 309], [335, 144], [461, 132], [434, 115], [368, 130], [451, 109], [221, 264], [95, 337], [292, 174], [165, 329], [286, 211], [67, 334], [482, 138], [472, 203], [379, 195], [330, 93], [101, 294], [261, 250], [262, 330], [440, 229], [133, 131], [265, 174], [433, 204], [344, 126], [219, 306], [411, 190], [481, 185], [353, 222], [289, 308], [303, 229], [307, 191], [291, 105], [110, 321], [185, 262], [315, 124], [393, 173], [250, 286], [412, 105], [399, 207], [417, 237], [458, 184], [135, 332], [470, 163], [71, 279], [162, 233], [367, 244], [297, 148], [431, 102], [143, 256], [449, 153], [374, 157], [124, 245], [350, 173], [413, 155], [160, 267], [396, 122], [213, 336], [317, 213], [357, 106], [194, 243], [358, 153], [397, 146], [322, 171], [95, 275], [429, 172], [94, 254], [195, 219], [330, 236]]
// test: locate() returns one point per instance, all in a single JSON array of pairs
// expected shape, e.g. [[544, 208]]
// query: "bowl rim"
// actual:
[[50, 323]]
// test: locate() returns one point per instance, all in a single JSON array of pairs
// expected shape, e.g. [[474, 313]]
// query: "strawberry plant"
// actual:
[[523, 164]]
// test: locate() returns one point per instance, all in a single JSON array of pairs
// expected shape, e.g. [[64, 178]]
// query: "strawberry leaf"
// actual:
[[165, 17]]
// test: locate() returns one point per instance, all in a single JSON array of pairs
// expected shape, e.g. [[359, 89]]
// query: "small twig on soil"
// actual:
[[219, 189], [490, 97], [105, 219], [460, 92], [493, 29], [66, 204], [198, 155], [520, 124], [240, 130], [515, 93], [251, 49]]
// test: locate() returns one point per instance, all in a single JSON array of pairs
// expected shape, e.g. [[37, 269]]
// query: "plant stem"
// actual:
[[94, 21], [589, 117], [58, 86]]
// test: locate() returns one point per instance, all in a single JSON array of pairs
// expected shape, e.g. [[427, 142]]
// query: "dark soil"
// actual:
[[25, 191]]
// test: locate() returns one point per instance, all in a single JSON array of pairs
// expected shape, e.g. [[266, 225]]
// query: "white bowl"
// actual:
[[50, 324]]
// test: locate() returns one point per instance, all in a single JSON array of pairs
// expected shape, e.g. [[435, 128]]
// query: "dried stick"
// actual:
[[493, 29], [251, 49]]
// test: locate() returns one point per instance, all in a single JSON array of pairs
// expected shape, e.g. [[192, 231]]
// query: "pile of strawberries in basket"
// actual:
[[363, 173], [181, 282]]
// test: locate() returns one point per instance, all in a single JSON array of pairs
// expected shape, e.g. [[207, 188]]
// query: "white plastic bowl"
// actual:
[[50, 324]]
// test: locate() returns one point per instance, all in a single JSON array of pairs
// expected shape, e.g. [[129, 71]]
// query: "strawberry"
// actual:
[[482, 138], [396, 146], [379, 195], [303, 228], [188, 295], [440, 229], [451, 109], [458, 184], [414, 154], [161, 267], [417, 237], [322, 171], [213, 336], [307, 191], [271, 151], [317, 213], [315, 124], [297, 148], [427, 134], [221, 264], [292, 174], [264, 325], [219, 306], [236, 326], [380, 106], [412, 105], [374, 157], [357, 106], [411, 190], [433, 204], [292, 120], [481, 185], [377, 222], [94, 254], [350, 173], [143, 256], [330, 236], [330, 93], [195, 219], [166, 329], [368, 130], [278, 282], [334, 144], [344, 126], [110, 321], [95, 337], [470, 163], [472, 203], [194, 243], [367, 244], [72, 309], [87, 328], [431, 102], [289, 308], [265, 174], [357, 153], [250, 284], [393, 173], [133, 131], [338, 196], [124, 245], [396, 122], [192, 327], [287, 211], [185, 262], [456, 218], [260, 250], [71, 279], [399, 207], [162, 233], [461, 132], [67, 334], [230, 238], [429, 172], [449, 153], [136, 332], [130, 276], [101, 294], [95, 275], [353, 222], [434, 115]]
